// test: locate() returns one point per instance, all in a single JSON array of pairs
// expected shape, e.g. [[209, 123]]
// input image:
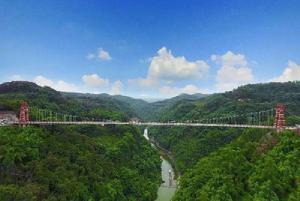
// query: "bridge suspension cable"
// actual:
[[265, 117], [270, 118]]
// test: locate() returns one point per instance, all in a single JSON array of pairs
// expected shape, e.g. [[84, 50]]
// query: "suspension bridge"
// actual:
[[273, 118]]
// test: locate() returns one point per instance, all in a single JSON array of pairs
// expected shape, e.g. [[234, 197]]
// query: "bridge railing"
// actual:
[[269, 118]]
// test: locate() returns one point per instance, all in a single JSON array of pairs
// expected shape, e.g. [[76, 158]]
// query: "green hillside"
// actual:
[[245, 99], [201, 154], [83, 105], [156, 110], [255, 166], [78, 163], [190, 144], [83, 163], [116, 163]]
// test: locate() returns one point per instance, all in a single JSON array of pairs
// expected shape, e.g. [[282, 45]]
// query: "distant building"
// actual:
[[8, 116]]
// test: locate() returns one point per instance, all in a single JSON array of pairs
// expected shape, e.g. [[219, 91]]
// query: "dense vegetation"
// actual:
[[200, 153], [154, 111], [74, 163], [82, 105], [248, 98], [216, 163], [245, 99], [77, 163], [256, 167], [189, 144]]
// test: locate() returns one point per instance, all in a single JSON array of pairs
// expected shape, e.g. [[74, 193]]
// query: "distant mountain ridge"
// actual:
[[83, 105], [130, 107], [249, 98], [244, 99]]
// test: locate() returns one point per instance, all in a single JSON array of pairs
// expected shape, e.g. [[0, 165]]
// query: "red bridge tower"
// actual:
[[24, 113], [279, 117]]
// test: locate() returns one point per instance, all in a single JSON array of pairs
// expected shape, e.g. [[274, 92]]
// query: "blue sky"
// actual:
[[149, 48]]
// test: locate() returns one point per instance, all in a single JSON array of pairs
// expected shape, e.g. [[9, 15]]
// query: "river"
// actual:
[[167, 189]]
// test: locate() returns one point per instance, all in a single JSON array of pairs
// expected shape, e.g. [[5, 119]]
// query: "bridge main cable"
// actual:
[[260, 119]]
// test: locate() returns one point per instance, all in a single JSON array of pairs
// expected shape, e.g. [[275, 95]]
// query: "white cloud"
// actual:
[[213, 57], [93, 84], [234, 71], [43, 81], [188, 89], [57, 85], [231, 59], [100, 54], [116, 87], [94, 80], [64, 86], [103, 55], [290, 73], [90, 56], [167, 67]]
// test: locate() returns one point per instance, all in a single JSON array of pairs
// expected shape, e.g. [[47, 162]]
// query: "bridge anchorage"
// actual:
[[262, 119]]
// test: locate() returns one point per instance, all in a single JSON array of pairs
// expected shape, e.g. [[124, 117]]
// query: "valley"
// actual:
[[115, 162]]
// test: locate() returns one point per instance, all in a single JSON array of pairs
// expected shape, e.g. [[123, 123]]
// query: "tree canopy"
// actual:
[[69, 163]]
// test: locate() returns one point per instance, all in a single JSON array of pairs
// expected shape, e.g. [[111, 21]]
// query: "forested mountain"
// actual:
[[235, 164], [248, 98], [256, 166], [215, 163], [100, 106], [190, 144], [155, 110], [78, 163], [130, 106], [83, 105]]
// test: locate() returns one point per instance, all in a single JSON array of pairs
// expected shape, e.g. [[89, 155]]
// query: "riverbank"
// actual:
[[167, 156], [168, 187]]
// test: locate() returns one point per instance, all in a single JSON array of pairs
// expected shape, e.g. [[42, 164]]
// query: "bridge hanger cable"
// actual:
[[270, 118]]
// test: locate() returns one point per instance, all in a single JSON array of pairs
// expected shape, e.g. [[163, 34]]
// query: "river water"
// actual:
[[167, 189]]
